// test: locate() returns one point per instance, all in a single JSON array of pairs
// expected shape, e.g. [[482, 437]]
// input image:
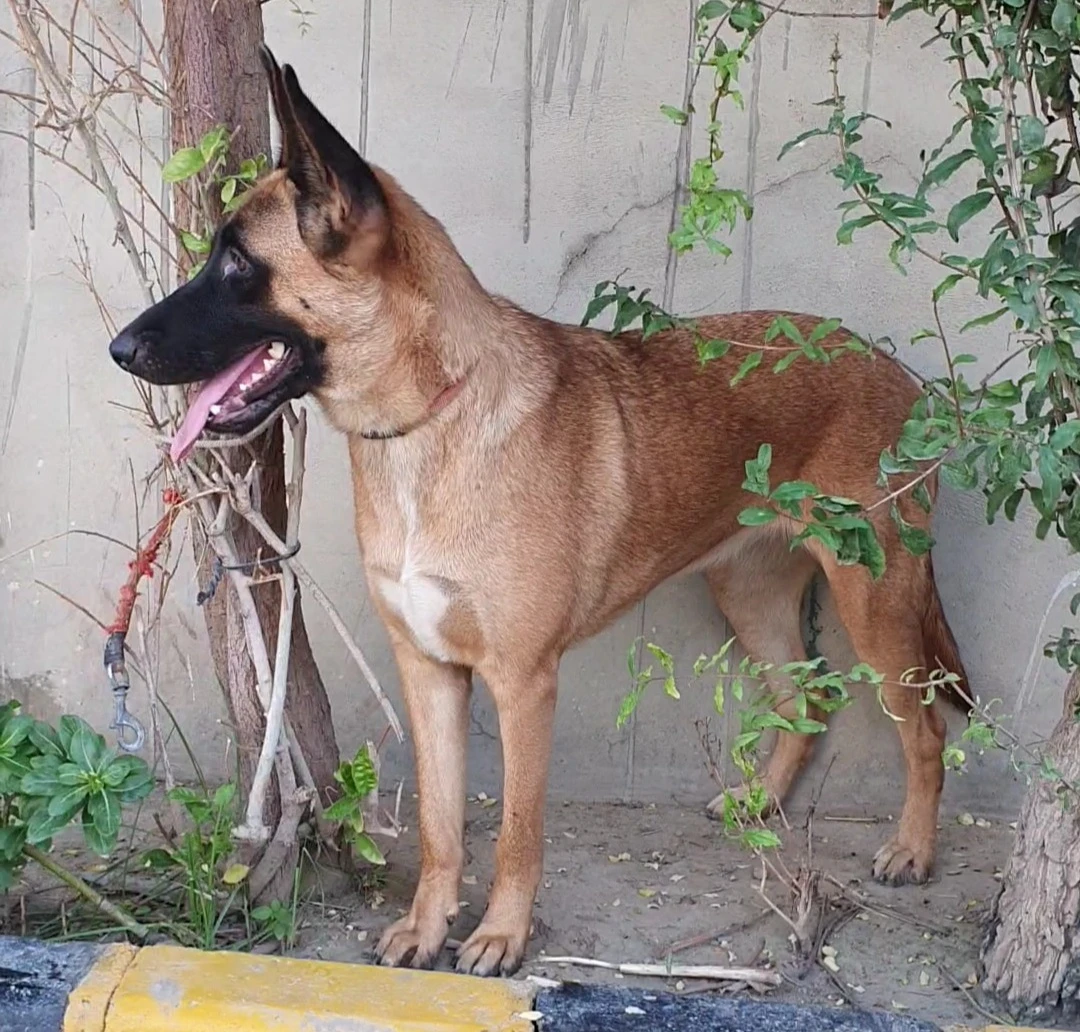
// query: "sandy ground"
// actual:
[[629, 883], [642, 883]]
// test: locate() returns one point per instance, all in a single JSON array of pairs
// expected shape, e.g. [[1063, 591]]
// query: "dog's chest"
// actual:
[[411, 572]]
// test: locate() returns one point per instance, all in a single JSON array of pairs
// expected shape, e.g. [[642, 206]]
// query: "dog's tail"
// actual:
[[939, 645]]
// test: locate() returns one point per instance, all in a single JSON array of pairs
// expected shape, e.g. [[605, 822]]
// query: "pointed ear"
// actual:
[[341, 209], [282, 108]]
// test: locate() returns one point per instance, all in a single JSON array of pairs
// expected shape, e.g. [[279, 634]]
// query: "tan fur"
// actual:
[[573, 473]]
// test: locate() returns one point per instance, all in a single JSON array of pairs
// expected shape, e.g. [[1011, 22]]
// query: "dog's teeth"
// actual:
[[246, 386], [215, 410], [269, 363], [256, 377], [277, 350]]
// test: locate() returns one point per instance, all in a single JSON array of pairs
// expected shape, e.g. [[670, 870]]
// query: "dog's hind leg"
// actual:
[[759, 587], [885, 622]]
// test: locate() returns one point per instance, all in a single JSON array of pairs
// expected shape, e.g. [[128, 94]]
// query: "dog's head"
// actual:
[[290, 296]]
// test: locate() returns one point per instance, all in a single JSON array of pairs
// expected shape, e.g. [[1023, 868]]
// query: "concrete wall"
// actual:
[[531, 128]]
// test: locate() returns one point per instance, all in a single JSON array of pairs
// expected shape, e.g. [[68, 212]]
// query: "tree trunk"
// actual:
[[216, 79], [1031, 954]]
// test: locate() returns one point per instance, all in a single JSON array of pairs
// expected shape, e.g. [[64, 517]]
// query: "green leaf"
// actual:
[[772, 720], [12, 838], [945, 170], [228, 190], [760, 838], [965, 210], [213, 142], [185, 163], [1063, 20], [67, 800], [42, 782], [341, 809], [983, 320], [366, 847], [15, 731], [788, 360], [235, 873], [194, 244], [712, 9], [1064, 436], [103, 809], [1032, 134], [223, 796], [749, 364], [754, 516], [916, 540], [138, 784], [823, 329], [847, 229], [782, 324], [960, 475], [598, 304], [872, 555], [94, 837], [793, 491], [708, 350], [757, 471], [984, 140], [43, 825], [46, 739], [801, 138], [806, 726], [678, 116], [946, 285], [365, 778]]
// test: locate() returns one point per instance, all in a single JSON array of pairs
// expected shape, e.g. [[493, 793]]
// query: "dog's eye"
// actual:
[[235, 262]]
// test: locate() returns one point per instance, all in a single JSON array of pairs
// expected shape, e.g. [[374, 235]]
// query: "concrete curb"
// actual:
[[119, 988]]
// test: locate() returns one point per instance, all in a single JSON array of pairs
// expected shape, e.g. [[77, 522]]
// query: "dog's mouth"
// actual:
[[241, 396]]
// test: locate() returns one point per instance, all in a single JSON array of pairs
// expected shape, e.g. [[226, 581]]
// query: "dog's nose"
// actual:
[[126, 346]]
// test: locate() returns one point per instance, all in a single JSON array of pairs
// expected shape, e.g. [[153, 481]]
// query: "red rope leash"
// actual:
[[143, 563]]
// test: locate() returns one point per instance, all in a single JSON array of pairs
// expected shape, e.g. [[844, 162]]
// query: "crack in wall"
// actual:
[[579, 253], [26, 319], [365, 77], [460, 51], [526, 214]]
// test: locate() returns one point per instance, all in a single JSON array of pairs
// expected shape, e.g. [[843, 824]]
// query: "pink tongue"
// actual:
[[210, 393]]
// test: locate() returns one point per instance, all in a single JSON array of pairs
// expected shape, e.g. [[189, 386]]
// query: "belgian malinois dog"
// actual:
[[519, 483]]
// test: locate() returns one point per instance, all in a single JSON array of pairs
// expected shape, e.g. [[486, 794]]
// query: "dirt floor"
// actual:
[[644, 883]]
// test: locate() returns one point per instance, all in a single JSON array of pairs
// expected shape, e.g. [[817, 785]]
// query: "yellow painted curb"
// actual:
[[88, 1002], [172, 989]]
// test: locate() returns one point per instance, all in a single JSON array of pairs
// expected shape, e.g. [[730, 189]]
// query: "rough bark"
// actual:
[[216, 79], [1031, 954]]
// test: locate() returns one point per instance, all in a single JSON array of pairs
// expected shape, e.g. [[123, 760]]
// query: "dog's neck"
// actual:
[[457, 347]]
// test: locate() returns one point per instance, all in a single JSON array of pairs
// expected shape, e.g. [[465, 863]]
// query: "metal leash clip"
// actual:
[[130, 733]]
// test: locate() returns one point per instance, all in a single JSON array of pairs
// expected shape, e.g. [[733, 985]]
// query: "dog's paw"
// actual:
[[492, 951], [903, 862], [411, 942]]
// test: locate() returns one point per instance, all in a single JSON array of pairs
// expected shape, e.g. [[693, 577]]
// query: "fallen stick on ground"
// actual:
[[761, 976]]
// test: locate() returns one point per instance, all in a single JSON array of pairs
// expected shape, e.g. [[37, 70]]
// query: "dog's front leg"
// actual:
[[437, 697], [526, 707]]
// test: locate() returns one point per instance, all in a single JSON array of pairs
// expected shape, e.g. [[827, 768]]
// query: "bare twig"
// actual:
[[91, 895], [760, 976], [258, 521]]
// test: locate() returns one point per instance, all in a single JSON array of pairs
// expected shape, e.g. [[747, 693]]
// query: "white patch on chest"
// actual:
[[417, 599], [421, 604]]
